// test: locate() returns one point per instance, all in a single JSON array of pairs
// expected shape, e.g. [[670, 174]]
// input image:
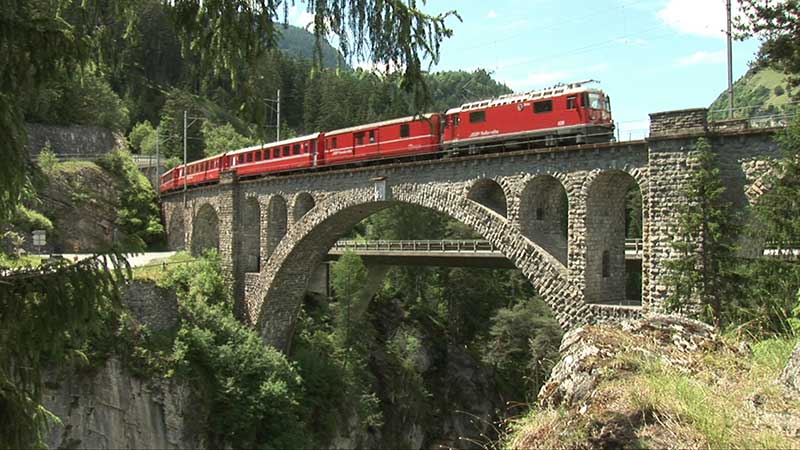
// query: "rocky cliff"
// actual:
[[110, 408], [665, 382]]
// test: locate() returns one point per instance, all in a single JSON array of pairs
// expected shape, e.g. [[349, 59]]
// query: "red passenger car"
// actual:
[[563, 114], [289, 154], [203, 171], [392, 138]]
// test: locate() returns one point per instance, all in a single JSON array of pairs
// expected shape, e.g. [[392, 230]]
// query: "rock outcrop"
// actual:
[[110, 408], [662, 382]]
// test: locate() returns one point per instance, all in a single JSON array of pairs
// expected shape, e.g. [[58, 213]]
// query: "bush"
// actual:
[[138, 215], [250, 391], [142, 138], [47, 159]]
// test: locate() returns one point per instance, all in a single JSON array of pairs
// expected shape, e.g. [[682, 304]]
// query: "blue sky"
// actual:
[[649, 55]]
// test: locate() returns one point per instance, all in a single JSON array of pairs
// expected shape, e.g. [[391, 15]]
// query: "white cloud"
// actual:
[[492, 14], [701, 57], [300, 17], [699, 17]]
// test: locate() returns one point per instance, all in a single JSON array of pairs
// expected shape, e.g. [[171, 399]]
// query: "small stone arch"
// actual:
[[281, 284], [488, 193], [251, 235], [607, 270], [205, 230], [544, 214], [276, 223], [176, 231], [303, 203]]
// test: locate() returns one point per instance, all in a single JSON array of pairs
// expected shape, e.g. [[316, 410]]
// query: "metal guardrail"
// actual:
[[458, 246], [635, 246]]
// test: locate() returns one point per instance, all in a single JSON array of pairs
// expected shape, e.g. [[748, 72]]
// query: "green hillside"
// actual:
[[761, 91], [300, 43]]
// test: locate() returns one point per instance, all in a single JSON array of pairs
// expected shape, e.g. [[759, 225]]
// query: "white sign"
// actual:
[[39, 238]]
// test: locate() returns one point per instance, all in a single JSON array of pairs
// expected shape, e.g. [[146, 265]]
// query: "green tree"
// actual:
[[348, 278], [777, 213], [703, 273], [223, 138], [141, 137], [778, 25]]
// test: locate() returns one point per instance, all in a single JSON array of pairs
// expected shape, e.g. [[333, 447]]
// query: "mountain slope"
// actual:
[[761, 91], [300, 43]]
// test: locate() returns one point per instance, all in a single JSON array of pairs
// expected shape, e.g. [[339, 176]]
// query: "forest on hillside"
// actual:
[[142, 77]]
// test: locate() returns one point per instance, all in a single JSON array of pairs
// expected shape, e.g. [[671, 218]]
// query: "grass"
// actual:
[[720, 398], [156, 269], [75, 166], [8, 262]]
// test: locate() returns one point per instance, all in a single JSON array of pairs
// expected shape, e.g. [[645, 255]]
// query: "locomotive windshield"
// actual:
[[596, 101]]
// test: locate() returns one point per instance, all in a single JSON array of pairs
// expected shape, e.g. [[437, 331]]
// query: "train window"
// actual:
[[543, 106], [456, 119], [572, 102], [404, 130], [276, 152], [372, 136], [285, 150], [477, 116], [305, 148], [360, 139], [296, 149]]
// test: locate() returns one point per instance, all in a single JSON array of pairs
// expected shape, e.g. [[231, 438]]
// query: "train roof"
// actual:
[[275, 144], [381, 124], [558, 89]]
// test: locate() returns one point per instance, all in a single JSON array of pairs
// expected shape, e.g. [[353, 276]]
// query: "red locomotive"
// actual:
[[563, 114]]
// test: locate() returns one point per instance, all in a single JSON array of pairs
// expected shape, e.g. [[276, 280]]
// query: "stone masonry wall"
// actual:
[[152, 305], [73, 140]]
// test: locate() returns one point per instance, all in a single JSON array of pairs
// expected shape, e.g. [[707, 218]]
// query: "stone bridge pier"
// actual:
[[558, 214]]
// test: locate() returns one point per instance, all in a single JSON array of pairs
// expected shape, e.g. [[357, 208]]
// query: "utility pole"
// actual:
[[185, 126], [158, 165], [277, 109], [730, 62]]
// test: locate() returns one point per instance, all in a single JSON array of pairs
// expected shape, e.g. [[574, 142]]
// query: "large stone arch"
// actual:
[[490, 194], [205, 229], [544, 214], [606, 270], [251, 235], [282, 283], [277, 220], [176, 231]]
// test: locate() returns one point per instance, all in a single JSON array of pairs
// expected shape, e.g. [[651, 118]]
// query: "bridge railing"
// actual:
[[452, 245], [634, 245], [469, 245]]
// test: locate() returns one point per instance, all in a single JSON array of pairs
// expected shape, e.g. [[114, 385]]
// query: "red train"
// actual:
[[563, 114]]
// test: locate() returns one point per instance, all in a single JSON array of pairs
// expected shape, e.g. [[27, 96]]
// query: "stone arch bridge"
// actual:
[[557, 214]]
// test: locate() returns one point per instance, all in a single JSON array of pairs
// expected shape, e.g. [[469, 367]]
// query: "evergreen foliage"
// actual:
[[702, 277], [348, 278], [777, 212], [48, 314], [523, 346]]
